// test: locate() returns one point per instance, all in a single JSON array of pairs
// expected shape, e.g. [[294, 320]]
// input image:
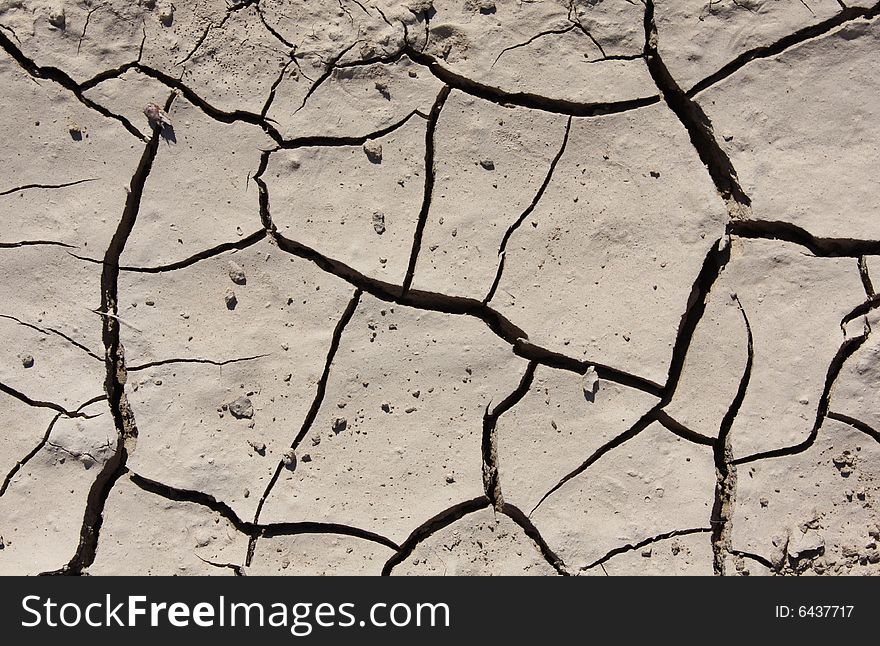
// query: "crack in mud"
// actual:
[[53, 331], [866, 278], [430, 174], [123, 417], [856, 424], [681, 102], [320, 390], [252, 529], [844, 352], [26, 187], [491, 482], [695, 121], [432, 526], [631, 547], [848, 14], [61, 78], [526, 212], [725, 470], [788, 232]]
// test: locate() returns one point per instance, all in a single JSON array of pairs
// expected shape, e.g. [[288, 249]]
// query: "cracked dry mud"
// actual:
[[483, 287]]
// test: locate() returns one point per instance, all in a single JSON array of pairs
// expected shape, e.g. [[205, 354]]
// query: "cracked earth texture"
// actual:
[[561, 287]]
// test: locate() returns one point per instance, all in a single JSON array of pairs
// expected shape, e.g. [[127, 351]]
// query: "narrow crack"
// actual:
[[61, 78], [860, 310], [848, 14], [677, 428], [788, 232], [329, 68], [491, 482], [526, 212], [640, 425], [250, 529], [308, 527], [35, 243], [725, 470], [238, 570], [202, 39], [263, 196], [526, 43], [36, 403], [11, 31], [108, 74], [27, 458], [630, 547], [212, 362], [275, 33], [351, 140], [44, 440], [432, 526], [866, 278], [123, 417], [695, 121], [76, 455], [274, 88], [430, 174], [524, 348], [525, 523], [55, 332], [85, 28], [713, 264], [844, 352], [525, 99], [31, 186], [312, 414], [757, 558], [856, 424], [616, 57], [186, 495], [238, 245]]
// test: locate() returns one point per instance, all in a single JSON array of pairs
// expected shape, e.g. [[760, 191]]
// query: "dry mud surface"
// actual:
[[475, 287]]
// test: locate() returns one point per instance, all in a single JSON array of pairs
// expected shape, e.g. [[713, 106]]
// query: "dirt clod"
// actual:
[[230, 298], [379, 222], [242, 408], [236, 274], [373, 151]]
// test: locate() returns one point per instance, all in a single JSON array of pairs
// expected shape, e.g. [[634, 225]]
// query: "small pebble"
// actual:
[[339, 425], [231, 300], [166, 14], [236, 274], [242, 408], [590, 383], [57, 18], [373, 150], [382, 87]]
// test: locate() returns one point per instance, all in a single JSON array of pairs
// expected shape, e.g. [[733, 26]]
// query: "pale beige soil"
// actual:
[[449, 287]]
